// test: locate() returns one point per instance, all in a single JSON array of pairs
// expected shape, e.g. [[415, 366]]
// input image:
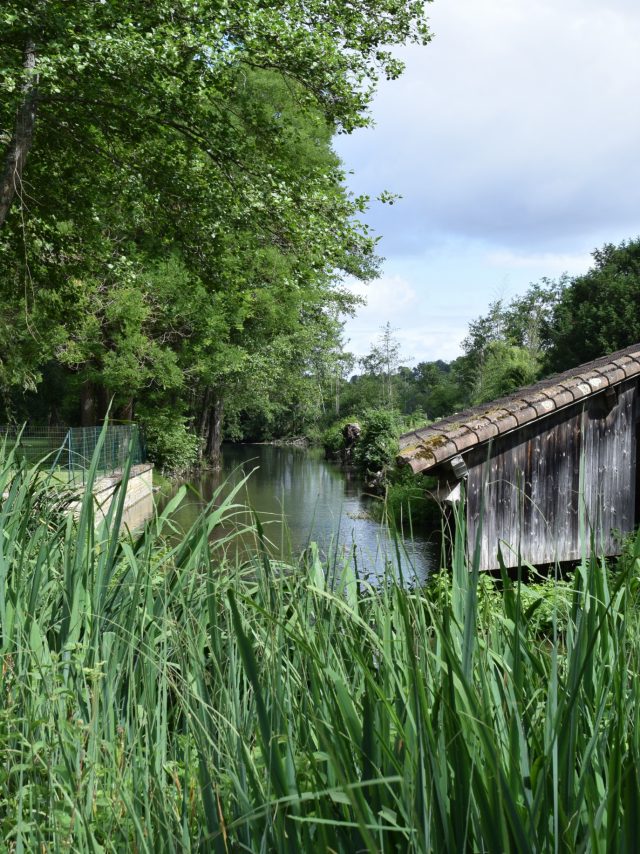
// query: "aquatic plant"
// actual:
[[156, 696]]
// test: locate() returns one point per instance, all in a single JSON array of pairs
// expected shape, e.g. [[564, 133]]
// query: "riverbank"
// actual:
[[295, 442], [137, 502]]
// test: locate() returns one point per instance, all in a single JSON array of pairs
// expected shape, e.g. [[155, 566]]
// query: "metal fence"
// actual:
[[68, 452]]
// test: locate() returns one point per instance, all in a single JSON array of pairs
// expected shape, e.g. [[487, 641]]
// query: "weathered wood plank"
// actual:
[[531, 482]]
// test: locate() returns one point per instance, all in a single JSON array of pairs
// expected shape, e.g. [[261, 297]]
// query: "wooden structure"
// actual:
[[541, 460]]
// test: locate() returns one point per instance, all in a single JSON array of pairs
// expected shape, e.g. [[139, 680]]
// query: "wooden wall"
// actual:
[[530, 482]]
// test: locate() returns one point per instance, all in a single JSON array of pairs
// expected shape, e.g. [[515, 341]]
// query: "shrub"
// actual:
[[378, 444], [170, 443], [333, 439], [542, 602], [409, 499]]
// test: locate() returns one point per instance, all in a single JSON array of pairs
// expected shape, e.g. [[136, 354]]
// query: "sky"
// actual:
[[514, 141]]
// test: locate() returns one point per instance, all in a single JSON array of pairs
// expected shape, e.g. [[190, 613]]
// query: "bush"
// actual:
[[540, 603], [378, 444], [170, 443], [413, 420], [545, 601], [410, 498], [333, 439]]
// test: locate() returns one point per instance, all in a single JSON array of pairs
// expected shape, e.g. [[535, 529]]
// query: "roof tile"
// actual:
[[429, 446]]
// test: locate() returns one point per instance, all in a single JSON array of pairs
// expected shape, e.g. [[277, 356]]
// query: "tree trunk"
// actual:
[[103, 402], [16, 156], [94, 403], [88, 407], [202, 427], [213, 448], [203, 421]]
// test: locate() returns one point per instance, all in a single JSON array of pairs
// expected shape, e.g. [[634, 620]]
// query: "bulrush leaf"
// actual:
[[160, 696]]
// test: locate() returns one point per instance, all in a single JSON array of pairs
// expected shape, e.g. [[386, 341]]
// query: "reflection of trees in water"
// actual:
[[321, 502]]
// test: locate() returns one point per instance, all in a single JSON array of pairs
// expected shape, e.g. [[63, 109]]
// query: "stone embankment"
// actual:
[[138, 503]]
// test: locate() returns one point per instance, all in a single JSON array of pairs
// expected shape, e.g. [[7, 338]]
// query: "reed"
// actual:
[[157, 696]]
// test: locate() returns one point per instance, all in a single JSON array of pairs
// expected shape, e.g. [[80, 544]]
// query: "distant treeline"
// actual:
[[553, 326]]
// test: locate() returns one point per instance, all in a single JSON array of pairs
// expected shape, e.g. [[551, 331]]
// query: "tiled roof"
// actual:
[[427, 447]]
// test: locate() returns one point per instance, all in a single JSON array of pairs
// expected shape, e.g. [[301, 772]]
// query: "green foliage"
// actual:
[[170, 444], [548, 605], [333, 439], [505, 369], [382, 364], [505, 349], [410, 501], [599, 312], [435, 388], [187, 222], [377, 446], [553, 326], [559, 324], [156, 696]]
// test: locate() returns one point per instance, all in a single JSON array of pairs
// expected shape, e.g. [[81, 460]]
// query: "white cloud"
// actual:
[[423, 333], [417, 343], [513, 139], [391, 294], [555, 262], [428, 343], [516, 124]]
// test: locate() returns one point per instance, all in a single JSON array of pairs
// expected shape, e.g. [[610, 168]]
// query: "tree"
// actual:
[[102, 75], [382, 363], [528, 319], [505, 369], [525, 321], [506, 347], [171, 212], [598, 312], [435, 388]]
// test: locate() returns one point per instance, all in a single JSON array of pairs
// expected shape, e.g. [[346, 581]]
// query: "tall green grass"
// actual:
[[155, 697]]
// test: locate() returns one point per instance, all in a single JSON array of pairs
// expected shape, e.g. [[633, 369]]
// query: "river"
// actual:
[[301, 498]]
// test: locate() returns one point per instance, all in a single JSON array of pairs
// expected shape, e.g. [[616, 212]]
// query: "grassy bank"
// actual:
[[158, 698]]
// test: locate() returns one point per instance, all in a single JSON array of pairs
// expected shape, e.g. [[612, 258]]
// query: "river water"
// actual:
[[301, 498]]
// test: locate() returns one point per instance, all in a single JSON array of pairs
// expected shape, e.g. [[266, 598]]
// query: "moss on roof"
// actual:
[[521, 403]]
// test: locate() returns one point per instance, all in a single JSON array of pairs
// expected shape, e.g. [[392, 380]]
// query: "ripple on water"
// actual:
[[318, 502]]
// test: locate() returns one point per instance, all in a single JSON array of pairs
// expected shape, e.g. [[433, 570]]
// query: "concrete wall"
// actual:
[[138, 504]]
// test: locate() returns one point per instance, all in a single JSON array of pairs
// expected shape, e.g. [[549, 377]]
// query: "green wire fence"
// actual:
[[67, 452]]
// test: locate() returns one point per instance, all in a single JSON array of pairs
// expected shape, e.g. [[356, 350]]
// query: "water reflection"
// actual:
[[318, 503]]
